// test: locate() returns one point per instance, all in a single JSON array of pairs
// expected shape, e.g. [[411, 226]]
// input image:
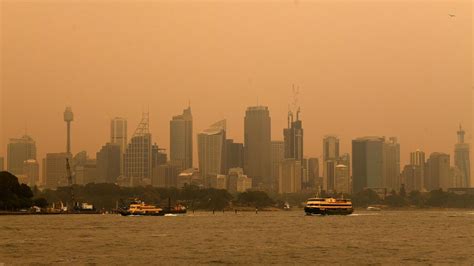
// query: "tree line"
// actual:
[[15, 196]]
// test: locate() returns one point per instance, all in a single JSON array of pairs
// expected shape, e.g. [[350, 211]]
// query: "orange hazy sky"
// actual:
[[392, 68]]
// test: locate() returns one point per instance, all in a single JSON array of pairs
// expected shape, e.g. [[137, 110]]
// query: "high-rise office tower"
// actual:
[[290, 176], [2, 164], [461, 159], [293, 137], [277, 156], [313, 173], [342, 179], [367, 163], [118, 135], [68, 118], [414, 173], [54, 169], [234, 154], [391, 162], [118, 132], [330, 160], [18, 151], [181, 139], [211, 150], [31, 171], [138, 155], [438, 172], [257, 146], [108, 163], [330, 147]]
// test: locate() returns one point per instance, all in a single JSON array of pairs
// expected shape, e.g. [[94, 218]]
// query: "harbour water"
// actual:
[[389, 237]]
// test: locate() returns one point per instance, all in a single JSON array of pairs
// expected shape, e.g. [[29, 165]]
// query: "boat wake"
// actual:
[[364, 214]]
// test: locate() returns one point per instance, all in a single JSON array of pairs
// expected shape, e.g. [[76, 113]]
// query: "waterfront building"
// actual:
[[290, 176], [211, 153], [18, 151], [181, 139], [2, 164], [461, 159], [367, 163], [257, 143]]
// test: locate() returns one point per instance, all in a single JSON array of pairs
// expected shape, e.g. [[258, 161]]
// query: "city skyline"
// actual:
[[343, 87]]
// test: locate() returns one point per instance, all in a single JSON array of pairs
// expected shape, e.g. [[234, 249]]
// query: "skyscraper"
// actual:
[[391, 162], [118, 135], [138, 155], [108, 163], [414, 173], [330, 158], [181, 139], [461, 159], [2, 164], [31, 171], [211, 150], [290, 176], [277, 156], [293, 137], [342, 181], [68, 118], [234, 155], [54, 169], [367, 163], [19, 151], [438, 174], [257, 145], [313, 173], [330, 147]]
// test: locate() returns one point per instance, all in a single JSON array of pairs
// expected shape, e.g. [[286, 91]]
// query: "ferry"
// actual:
[[139, 208], [328, 206]]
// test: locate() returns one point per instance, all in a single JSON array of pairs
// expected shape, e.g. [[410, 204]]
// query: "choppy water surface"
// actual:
[[396, 237]]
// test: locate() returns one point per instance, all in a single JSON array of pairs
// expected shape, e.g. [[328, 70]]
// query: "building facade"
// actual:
[[109, 160], [438, 172], [211, 150], [257, 146], [138, 155], [461, 159], [54, 169], [277, 156], [290, 176], [119, 136], [181, 139], [19, 151], [367, 163], [391, 162]]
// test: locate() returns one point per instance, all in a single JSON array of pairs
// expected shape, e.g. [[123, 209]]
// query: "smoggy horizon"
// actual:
[[362, 68]]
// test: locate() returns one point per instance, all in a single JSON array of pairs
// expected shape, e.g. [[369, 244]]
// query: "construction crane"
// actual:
[[69, 179]]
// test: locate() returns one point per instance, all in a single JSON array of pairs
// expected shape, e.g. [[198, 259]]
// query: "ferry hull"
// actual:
[[320, 211], [127, 213]]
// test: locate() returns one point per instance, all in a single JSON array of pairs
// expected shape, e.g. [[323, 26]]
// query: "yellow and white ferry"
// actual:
[[328, 206], [139, 208]]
